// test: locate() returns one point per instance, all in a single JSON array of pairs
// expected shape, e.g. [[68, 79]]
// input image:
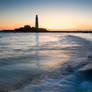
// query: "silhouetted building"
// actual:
[[36, 22], [28, 28]]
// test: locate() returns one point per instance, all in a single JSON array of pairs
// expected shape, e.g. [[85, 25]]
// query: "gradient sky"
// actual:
[[53, 14]]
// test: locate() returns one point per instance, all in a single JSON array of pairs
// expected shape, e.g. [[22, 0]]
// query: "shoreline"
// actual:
[[48, 32]]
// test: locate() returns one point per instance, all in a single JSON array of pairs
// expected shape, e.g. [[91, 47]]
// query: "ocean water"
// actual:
[[45, 62]]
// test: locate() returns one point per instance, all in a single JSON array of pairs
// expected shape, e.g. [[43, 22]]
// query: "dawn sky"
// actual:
[[53, 14]]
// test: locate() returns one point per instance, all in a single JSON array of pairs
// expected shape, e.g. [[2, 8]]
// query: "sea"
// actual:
[[45, 62]]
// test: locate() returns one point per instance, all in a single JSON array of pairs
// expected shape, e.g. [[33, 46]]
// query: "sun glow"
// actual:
[[55, 20], [53, 14], [58, 27]]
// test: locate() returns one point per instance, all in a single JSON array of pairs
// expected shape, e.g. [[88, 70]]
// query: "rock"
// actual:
[[89, 56]]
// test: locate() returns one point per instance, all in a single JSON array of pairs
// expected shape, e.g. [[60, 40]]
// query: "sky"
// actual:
[[53, 14]]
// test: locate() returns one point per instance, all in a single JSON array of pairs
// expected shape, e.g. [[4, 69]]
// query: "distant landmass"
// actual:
[[28, 28]]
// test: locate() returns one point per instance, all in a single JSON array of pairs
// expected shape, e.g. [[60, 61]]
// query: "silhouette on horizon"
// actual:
[[36, 22], [28, 28]]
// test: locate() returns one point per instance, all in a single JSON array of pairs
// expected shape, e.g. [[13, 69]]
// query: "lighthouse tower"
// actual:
[[36, 22]]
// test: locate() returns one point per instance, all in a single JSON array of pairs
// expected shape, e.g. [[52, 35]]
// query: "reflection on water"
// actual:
[[37, 50], [28, 57]]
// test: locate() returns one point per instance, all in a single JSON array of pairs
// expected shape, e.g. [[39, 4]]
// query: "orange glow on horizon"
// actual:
[[53, 21], [59, 15], [52, 25], [48, 27]]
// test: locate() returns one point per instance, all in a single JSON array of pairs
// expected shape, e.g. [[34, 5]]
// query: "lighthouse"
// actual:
[[36, 22]]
